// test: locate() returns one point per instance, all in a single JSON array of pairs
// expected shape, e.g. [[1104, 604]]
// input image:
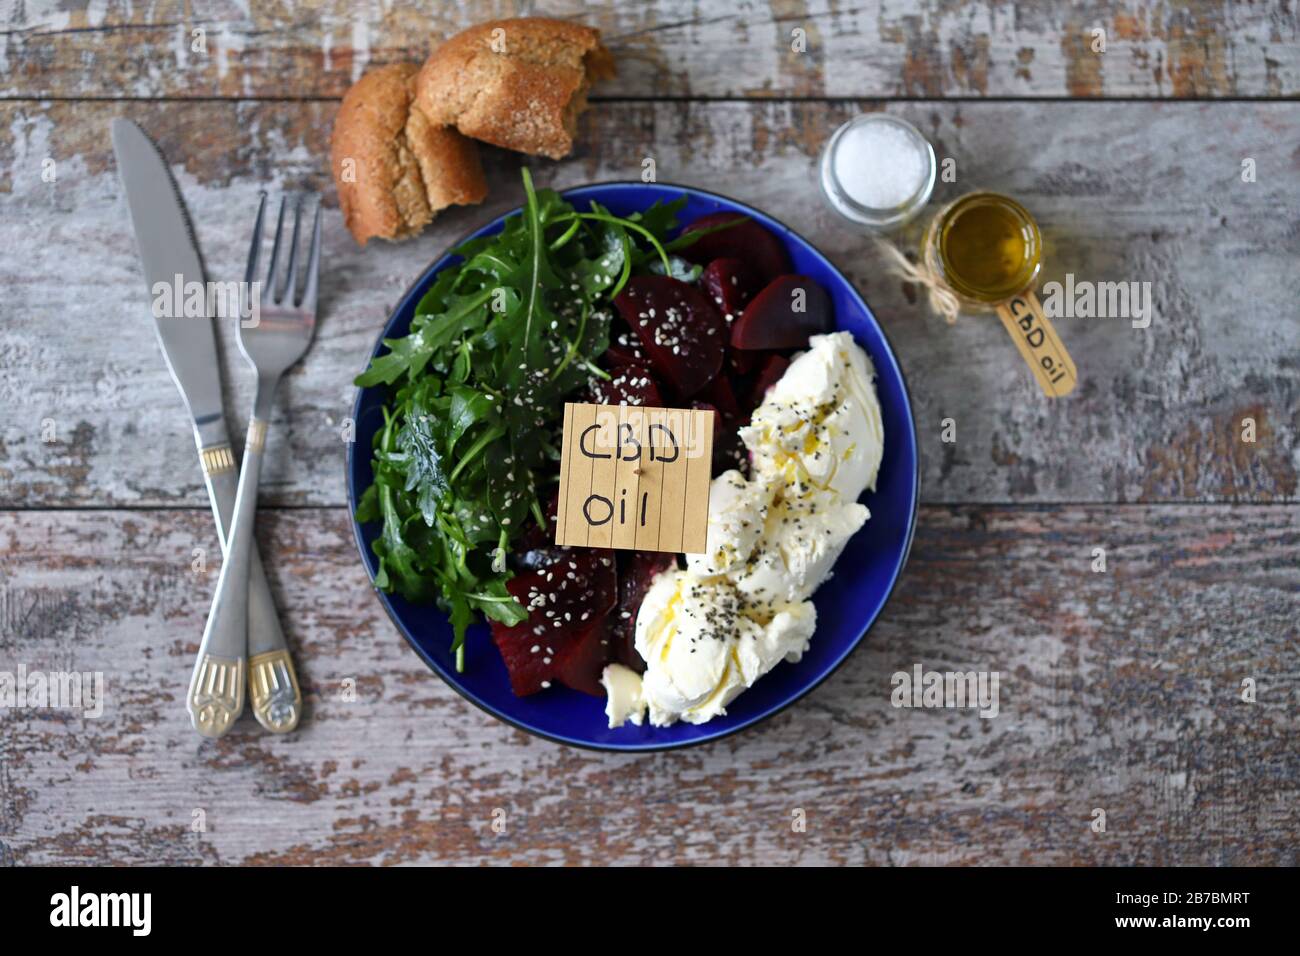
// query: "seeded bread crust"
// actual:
[[519, 84], [403, 168]]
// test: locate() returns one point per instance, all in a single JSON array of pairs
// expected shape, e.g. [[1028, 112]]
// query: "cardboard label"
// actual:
[[1039, 345], [635, 478]]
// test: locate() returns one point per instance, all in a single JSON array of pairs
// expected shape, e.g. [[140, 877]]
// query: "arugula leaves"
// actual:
[[477, 389]]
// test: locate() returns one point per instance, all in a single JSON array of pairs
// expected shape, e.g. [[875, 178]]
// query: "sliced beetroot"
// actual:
[[636, 571], [730, 452], [728, 449], [568, 601], [681, 332], [773, 368], [783, 315], [527, 669], [582, 666], [747, 241], [630, 384], [624, 349], [721, 396], [741, 363], [731, 283]]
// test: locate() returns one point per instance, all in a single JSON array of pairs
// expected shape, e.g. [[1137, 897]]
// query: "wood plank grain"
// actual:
[[1118, 690], [1140, 192], [877, 48]]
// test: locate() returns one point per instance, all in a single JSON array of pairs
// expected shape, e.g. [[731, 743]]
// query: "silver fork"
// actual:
[[285, 324]]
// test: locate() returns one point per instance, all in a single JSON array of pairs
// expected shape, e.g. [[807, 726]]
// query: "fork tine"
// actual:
[[273, 286], [313, 266], [290, 294], [254, 250]]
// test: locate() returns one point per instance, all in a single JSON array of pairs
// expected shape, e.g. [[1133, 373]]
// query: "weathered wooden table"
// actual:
[[1171, 156]]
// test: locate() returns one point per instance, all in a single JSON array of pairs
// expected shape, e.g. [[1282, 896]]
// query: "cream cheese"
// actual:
[[801, 541], [623, 700], [820, 423], [737, 512], [702, 649]]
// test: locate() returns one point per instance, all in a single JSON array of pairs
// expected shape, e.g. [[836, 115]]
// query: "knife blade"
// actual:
[[171, 261], [170, 258]]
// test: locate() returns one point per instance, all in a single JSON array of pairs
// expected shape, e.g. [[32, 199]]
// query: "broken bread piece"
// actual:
[[394, 169], [517, 83]]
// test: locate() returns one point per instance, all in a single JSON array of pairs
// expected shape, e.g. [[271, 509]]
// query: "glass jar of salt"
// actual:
[[878, 171]]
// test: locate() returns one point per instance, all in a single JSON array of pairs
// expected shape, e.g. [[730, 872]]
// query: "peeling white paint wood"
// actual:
[[878, 48], [1119, 690]]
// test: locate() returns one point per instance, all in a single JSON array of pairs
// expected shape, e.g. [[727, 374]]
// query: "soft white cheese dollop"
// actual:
[[701, 648], [801, 541], [623, 700], [820, 423], [738, 610], [737, 510]]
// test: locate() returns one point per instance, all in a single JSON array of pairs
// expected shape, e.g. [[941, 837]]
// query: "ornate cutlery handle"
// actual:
[[272, 682], [216, 695]]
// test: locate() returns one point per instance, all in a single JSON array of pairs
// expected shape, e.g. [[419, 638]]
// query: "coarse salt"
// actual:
[[879, 165]]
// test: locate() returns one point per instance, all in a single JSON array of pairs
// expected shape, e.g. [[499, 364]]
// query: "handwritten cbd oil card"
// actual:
[[635, 478], [1039, 345]]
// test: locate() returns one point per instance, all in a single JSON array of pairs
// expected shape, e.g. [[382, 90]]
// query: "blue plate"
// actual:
[[847, 604]]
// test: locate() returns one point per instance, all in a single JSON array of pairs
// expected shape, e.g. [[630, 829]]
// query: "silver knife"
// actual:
[[170, 255]]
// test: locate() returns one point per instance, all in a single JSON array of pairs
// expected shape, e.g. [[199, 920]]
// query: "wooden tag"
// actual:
[[635, 477], [1039, 345]]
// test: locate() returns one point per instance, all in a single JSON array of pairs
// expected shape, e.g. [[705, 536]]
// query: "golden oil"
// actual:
[[985, 247]]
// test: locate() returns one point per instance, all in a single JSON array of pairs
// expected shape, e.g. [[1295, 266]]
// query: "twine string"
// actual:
[[942, 299]]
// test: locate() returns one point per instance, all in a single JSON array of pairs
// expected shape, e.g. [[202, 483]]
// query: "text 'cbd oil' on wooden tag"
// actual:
[[635, 477]]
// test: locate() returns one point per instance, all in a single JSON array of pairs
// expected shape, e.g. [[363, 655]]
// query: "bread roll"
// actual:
[[519, 83], [394, 169]]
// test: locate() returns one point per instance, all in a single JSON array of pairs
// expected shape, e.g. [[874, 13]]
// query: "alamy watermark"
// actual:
[[133, 911], [178, 299], [1098, 300], [955, 689], [53, 690]]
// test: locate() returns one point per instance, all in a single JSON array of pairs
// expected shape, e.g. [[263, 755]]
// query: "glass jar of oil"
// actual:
[[985, 247]]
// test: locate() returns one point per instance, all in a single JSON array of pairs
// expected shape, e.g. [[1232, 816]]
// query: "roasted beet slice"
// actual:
[[624, 349], [582, 666], [721, 396], [741, 362], [631, 384], [731, 283], [730, 452], [773, 368], [747, 241], [568, 601], [636, 571], [528, 670], [728, 449], [680, 330], [783, 315]]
